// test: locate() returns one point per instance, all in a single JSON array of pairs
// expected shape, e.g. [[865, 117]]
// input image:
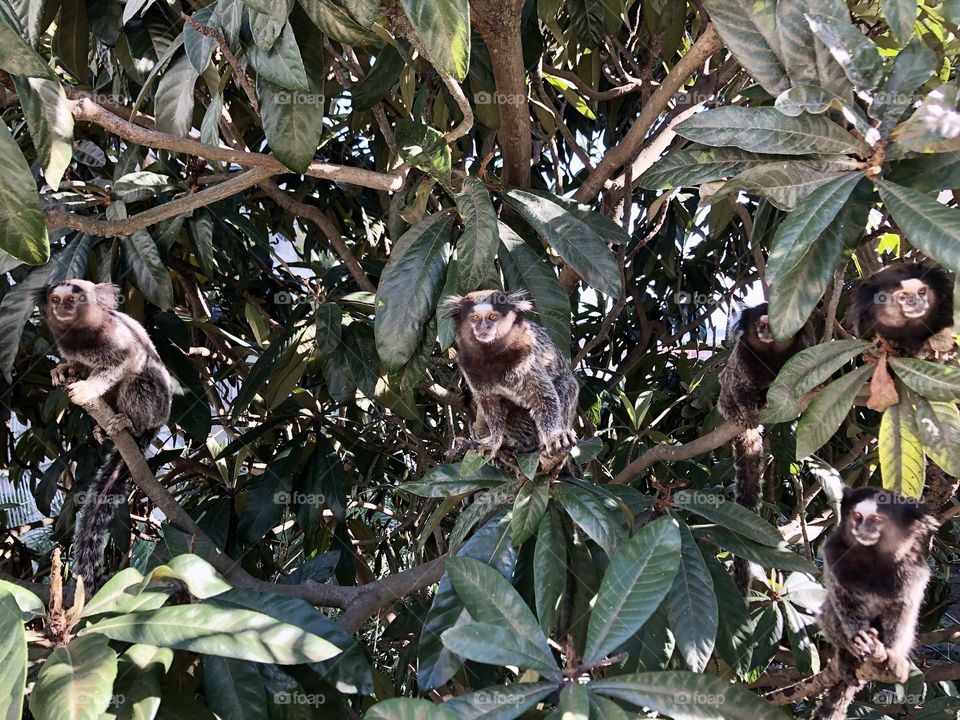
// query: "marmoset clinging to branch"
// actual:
[[753, 365], [109, 358], [523, 392], [875, 568]]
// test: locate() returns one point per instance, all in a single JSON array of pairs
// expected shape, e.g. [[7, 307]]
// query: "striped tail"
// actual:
[[100, 503], [834, 702], [748, 464]]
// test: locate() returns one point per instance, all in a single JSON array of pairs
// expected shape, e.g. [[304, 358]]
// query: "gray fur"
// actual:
[[523, 393], [109, 358]]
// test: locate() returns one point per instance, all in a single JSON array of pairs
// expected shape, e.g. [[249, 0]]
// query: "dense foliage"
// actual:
[[287, 191]]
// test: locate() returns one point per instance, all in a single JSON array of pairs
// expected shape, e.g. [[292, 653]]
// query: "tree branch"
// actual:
[[85, 109], [112, 228], [628, 148]]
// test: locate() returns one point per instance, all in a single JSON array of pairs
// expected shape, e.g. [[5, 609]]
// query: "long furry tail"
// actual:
[[748, 464], [100, 502], [834, 702]]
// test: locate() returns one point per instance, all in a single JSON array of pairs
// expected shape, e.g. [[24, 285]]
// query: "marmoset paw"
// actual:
[[117, 423], [560, 442], [82, 392], [898, 668], [865, 643], [64, 374]]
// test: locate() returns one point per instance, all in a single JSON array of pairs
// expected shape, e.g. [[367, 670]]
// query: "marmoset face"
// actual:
[[489, 322], [68, 301]]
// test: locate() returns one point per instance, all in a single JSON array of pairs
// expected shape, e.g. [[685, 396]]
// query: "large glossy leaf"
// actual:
[[22, 231], [151, 276], [214, 630], [76, 681], [409, 709], [768, 557], [692, 605], [912, 68], [18, 58], [336, 23], [688, 696], [803, 372], [938, 425], [137, 688], [901, 15], [489, 598], [932, 381], [524, 269], [697, 165], [448, 480], [600, 520], [174, 100], [528, 510], [292, 122], [443, 26], [425, 148], [783, 183], [806, 223], [636, 581], [929, 226], [15, 309], [48, 117], [734, 626], [13, 654], [730, 515], [828, 410], [549, 570], [497, 645], [499, 702], [574, 240], [749, 29], [477, 246], [491, 545], [855, 53], [282, 64], [234, 688], [767, 130], [901, 452], [408, 289]]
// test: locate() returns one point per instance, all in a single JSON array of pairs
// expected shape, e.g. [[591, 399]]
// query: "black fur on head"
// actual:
[[502, 301], [879, 302], [883, 522], [763, 355]]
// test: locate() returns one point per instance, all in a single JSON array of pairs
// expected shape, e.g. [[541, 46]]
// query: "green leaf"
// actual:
[[447, 481], [599, 519], [282, 64], [901, 452], [496, 645], [692, 605], [336, 23], [780, 558], [638, 578], [47, 112], [22, 230], [29, 13], [380, 79], [174, 99], [803, 372], [574, 240], [688, 696], [767, 130], [768, 631], [586, 21], [750, 31], [806, 223], [930, 128], [783, 183], [227, 632], [71, 44], [13, 654], [151, 276], [141, 185], [499, 701], [901, 15], [734, 627], [408, 289], [932, 381], [139, 673], [76, 681], [30, 605], [928, 173], [425, 148], [938, 425], [912, 67], [549, 570], [293, 131], [730, 515], [855, 53], [828, 410], [698, 165], [931, 227], [528, 510], [234, 688], [443, 26], [524, 269], [16, 307], [409, 709], [18, 58], [477, 246]]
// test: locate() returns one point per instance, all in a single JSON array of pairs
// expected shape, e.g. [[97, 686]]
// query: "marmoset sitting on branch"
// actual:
[[109, 359], [523, 393]]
